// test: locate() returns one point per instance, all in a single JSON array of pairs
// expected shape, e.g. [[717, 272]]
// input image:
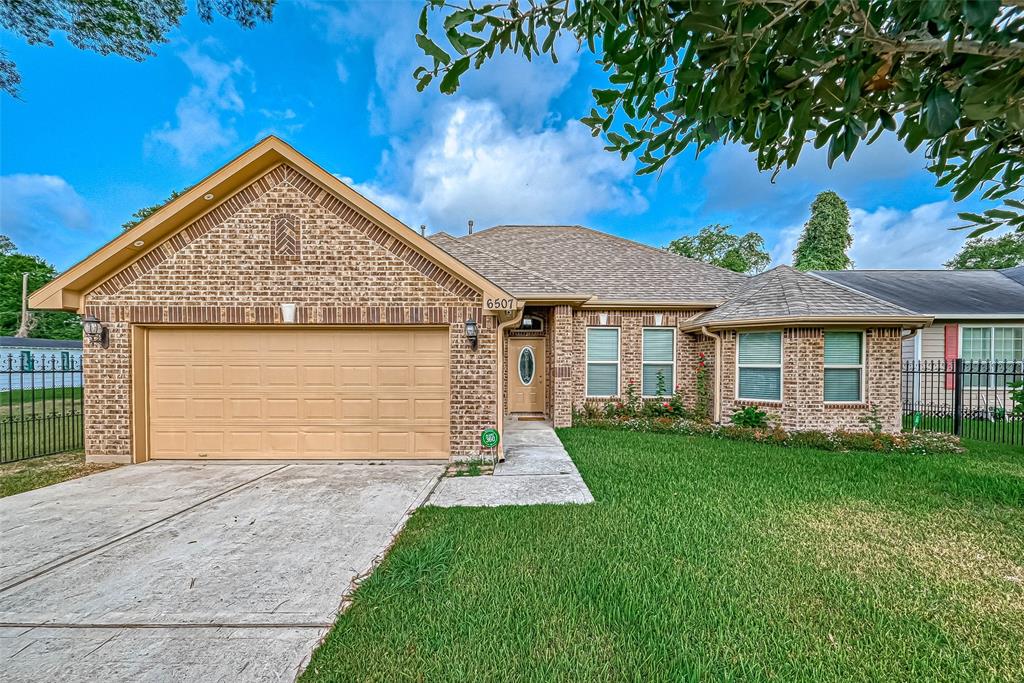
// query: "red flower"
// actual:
[[664, 405]]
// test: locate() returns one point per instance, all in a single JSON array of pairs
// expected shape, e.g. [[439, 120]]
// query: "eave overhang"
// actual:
[[913, 322]]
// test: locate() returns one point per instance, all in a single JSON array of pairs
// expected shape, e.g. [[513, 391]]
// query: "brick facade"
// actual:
[[803, 379], [284, 239], [802, 407]]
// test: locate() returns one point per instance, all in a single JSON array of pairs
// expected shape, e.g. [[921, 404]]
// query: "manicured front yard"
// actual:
[[708, 560], [25, 475]]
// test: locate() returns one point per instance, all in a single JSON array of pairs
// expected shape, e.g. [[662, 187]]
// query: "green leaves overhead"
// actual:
[[682, 74]]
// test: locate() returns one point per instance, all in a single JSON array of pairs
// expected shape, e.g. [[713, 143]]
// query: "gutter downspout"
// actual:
[[716, 412], [499, 419]]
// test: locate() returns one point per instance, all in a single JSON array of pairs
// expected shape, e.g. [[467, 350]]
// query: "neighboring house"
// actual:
[[979, 314], [978, 317], [273, 312], [51, 362]]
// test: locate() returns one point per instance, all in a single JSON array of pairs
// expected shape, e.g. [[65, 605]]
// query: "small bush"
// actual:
[[750, 416]]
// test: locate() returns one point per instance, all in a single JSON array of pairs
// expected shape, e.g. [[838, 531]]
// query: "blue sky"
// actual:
[[94, 138]]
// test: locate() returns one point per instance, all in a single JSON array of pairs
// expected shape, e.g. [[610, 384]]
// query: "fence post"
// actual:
[[958, 396]]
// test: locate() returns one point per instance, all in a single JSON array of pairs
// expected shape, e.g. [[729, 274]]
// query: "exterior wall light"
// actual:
[[94, 331], [288, 313], [472, 333]]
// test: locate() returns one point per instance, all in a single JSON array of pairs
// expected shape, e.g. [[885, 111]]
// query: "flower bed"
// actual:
[[920, 443]]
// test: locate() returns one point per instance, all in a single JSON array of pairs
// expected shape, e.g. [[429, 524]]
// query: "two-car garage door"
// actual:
[[219, 393]]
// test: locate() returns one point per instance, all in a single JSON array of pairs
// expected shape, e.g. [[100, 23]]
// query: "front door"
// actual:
[[526, 375]]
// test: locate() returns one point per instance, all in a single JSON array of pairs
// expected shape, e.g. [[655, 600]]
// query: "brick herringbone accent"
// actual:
[[285, 237]]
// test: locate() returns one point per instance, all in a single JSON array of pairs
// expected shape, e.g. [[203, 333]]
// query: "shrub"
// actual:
[[750, 416]]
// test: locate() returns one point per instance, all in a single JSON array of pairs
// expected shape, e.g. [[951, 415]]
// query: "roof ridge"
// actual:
[[857, 291]]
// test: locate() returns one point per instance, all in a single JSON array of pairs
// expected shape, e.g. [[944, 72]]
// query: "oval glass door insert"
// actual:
[[527, 365]]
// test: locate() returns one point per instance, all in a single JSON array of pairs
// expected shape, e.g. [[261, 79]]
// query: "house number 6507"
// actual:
[[501, 304]]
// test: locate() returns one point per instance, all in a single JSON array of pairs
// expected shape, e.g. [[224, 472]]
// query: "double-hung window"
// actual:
[[982, 345], [28, 361], [65, 360], [602, 361], [759, 366], [659, 361], [844, 367]]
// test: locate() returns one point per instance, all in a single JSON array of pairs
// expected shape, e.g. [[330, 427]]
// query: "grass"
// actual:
[[18, 477], [23, 438], [9, 400], [708, 560], [1010, 430]]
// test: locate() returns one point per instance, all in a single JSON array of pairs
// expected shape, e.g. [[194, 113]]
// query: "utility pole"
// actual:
[[24, 327]]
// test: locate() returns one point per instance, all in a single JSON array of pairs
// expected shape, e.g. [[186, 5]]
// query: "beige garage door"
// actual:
[[298, 393]]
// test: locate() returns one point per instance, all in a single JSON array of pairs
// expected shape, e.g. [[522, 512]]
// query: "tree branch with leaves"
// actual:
[[776, 75]]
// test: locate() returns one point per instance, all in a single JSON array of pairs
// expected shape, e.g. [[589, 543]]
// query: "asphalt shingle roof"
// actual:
[[785, 292], [941, 292], [590, 263]]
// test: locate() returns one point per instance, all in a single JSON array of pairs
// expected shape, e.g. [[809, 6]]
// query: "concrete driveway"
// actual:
[[182, 572]]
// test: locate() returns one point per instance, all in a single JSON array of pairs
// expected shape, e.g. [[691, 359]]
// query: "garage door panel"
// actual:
[[298, 393]]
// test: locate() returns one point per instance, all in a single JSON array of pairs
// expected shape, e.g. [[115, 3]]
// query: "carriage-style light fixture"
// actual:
[[472, 333], [94, 331]]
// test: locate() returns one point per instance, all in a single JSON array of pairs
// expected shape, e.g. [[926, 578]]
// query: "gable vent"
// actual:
[[284, 238]]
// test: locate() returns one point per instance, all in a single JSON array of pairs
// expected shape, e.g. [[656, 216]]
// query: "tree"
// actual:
[[147, 211], [776, 75], [826, 236], [108, 27], [994, 253], [714, 245], [44, 324]]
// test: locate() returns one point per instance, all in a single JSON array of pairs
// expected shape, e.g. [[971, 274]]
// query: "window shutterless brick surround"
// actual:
[[802, 406], [227, 268]]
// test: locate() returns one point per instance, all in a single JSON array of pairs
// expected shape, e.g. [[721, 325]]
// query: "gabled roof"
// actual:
[[67, 290], [942, 293], [604, 268], [785, 295]]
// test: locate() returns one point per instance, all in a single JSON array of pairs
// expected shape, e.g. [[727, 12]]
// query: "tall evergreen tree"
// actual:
[[826, 236]]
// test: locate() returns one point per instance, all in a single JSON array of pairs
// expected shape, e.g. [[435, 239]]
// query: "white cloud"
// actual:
[[341, 70], [476, 165], [891, 238], [36, 210], [204, 119]]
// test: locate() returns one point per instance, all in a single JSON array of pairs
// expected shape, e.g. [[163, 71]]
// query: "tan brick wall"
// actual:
[[227, 271], [570, 341], [803, 375]]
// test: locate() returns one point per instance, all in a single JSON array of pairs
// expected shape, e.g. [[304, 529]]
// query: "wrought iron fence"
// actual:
[[972, 399], [40, 405]]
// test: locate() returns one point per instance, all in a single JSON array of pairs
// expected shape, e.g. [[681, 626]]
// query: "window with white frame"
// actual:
[[759, 366], [659, 353], [602, 361], [990, 344], [844, 367]]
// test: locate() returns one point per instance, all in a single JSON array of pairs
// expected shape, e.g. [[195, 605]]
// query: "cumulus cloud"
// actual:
[[37, 209], [204, 116], [891, 238], [477, 165]]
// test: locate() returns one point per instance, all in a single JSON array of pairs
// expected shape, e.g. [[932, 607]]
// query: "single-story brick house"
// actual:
[[273, 312]]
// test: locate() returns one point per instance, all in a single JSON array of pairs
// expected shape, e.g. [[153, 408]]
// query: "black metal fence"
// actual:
[[972, 399], [40, 405]]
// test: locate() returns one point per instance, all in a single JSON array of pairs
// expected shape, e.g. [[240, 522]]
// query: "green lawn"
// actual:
[[1010, 431], [18, 477], [709, 560]]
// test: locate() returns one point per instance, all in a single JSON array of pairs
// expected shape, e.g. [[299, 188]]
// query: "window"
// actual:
[[844, 367], [532, 322], [659, 359], [602, 361], [990, 344], [759, 364], [65, 360], [27, 361], [527, 366]]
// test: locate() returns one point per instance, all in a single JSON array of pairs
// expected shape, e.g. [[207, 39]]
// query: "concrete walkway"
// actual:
[[536, 471], [183, 572]]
